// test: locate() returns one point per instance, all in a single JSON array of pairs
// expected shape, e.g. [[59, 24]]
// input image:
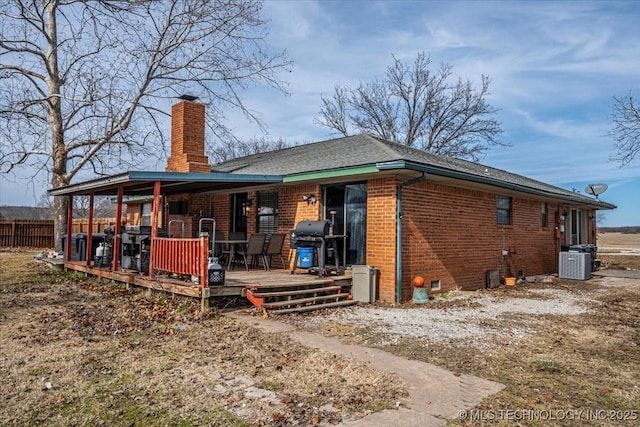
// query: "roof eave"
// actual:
[[133, 177], [403, 164], [86, 186], [330, 173]]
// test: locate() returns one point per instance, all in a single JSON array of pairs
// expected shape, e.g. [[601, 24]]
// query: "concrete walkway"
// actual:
[[626, 274], [435, 394]]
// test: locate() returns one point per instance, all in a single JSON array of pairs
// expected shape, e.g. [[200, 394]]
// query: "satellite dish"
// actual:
[[596, 189]]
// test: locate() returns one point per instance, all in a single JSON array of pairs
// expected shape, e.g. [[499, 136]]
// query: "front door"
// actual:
[[239, 212], [347, 205], [576, 225]]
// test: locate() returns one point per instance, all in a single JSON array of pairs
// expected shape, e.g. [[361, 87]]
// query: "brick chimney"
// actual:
[[187, 139]]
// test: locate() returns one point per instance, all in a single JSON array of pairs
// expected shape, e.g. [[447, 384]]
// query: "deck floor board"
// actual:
[[236, 281]]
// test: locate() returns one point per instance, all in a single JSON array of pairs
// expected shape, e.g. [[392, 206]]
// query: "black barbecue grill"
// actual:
[[318, 235]]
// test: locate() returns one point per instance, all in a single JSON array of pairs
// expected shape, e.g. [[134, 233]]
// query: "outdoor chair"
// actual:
[[274, 247], [255, 250]]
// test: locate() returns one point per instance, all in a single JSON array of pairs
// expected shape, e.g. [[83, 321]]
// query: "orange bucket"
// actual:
[[510, 281]]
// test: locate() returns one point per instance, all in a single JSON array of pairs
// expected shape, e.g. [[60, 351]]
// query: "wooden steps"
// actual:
[[299, 297], [314, 307]]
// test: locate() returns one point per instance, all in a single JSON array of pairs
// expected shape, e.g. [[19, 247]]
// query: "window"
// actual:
[[545, 216], [145, 213], [267, 212], [503, 204], [435, 285], [178, 207]]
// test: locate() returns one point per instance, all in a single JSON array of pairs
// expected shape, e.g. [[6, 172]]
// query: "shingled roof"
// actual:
[[364, 149]]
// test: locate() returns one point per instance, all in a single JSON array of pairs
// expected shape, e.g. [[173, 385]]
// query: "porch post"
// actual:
[[67, 245], [90, 230], [155, 208], [154, 223], [116, 237]]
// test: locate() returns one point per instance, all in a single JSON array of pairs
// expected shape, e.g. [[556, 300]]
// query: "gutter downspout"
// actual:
[[399, 188]]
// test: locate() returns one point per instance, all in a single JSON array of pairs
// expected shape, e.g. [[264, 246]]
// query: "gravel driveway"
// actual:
[[464, 317]]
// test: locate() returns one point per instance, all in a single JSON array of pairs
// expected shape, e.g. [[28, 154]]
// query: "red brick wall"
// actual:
[[450, 234], [252, 214], [381, 231], [201, 205], [292, 209], [216, 206], [187, 139], [133, 216], [174, 231]]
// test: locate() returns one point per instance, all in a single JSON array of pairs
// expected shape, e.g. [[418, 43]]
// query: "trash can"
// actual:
[[306, 256], [591, 249], [143, 268], [78, 246], [364, 282]]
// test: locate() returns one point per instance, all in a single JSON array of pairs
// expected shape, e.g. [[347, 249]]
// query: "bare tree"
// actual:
[[103, 206], [239, 148], [626, 129], [432, 111], [86, 84]]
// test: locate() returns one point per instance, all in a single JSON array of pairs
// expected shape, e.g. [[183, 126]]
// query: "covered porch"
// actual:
[[180, 265]]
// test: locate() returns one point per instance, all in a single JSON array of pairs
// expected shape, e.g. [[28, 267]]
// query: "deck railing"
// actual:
[[181, 256]]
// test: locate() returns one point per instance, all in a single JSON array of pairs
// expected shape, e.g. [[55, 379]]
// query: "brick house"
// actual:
[[406, 211], [416, 213]]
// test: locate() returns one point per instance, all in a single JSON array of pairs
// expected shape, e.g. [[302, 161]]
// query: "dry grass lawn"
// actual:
[[76, 351], [614, 250], [618, 240], [587, 364], [581, 369]]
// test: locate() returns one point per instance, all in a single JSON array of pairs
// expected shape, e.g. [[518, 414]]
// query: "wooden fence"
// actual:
[[26, 233], [81, 225], [39, 233]]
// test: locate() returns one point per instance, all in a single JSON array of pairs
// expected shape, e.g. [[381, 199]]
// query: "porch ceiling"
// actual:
[[139, 183]]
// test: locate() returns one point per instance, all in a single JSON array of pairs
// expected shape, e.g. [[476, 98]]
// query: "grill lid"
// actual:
[[312, 228]]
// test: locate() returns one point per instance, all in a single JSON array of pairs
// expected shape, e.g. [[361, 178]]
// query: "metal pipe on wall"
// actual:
[[399, 188]]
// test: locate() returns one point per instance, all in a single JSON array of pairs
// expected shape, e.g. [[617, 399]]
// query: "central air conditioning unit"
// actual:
[[575, 265]]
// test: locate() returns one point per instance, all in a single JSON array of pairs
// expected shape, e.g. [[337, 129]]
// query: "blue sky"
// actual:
[[554, 66]]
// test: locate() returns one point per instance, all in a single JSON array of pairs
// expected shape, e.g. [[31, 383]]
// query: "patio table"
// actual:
[[232, 248]]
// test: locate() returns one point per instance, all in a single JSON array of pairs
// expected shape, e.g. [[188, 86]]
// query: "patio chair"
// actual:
[[255, 248], [274, 247]]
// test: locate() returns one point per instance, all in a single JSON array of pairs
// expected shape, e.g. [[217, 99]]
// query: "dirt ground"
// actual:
[[568, 351], [77, 351], [619, 250], [608, 241]]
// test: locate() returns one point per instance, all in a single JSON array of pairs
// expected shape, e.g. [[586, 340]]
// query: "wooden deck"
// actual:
[[236, 281]]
